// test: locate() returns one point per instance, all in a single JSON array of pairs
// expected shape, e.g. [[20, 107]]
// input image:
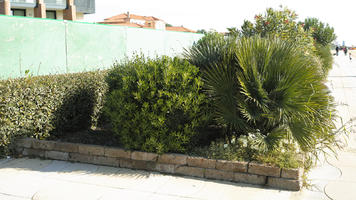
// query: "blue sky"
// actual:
[[221, 14]]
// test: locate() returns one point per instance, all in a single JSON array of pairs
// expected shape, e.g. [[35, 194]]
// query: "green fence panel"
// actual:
[[147, 41], [43, 46], [93, 47], [31, 44], [176, 42]]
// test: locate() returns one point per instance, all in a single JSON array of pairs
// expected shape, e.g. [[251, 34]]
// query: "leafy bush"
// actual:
[[156, 105], [281, 24], [324, 53], [267, 86], [248, 148], [44, 105], [322, 33]]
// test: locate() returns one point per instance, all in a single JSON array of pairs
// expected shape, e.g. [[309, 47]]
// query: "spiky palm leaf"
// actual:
[[268, 86]]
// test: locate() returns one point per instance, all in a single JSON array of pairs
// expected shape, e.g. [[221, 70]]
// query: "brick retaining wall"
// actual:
[[242, 172]]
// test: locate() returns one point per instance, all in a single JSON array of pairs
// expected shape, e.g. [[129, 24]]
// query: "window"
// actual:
[[51, 14], [18, 12]]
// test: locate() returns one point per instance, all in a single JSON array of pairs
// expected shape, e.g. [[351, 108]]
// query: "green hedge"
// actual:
[[44, 105], [156, 105]]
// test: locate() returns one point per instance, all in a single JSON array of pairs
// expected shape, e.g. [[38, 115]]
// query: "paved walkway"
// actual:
[[46, 179]]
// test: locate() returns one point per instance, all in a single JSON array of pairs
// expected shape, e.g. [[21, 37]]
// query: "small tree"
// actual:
[[281, 24], [322, 33]]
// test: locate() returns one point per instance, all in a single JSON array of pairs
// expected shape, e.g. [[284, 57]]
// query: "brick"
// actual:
[[177, 159], [24, 142], [219, 175], [102, 160], [77, 157], [33, 152], [232, 166], [66, 147], [250, 178], [18, 150], [260, 169], [295, 174], [138, 164], [91, 149], [43, 144], [57, 155], [283, 183], [117, 153], [126, 163], [201, 162], [190, 171], [165, 168], [145, 156]]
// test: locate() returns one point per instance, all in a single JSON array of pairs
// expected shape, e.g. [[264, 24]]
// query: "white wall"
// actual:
[[160, 25]]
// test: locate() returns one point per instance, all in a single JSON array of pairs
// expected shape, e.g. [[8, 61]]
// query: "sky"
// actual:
[[222, 14]]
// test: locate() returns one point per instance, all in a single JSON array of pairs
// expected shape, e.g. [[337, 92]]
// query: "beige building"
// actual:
[[53, 9]]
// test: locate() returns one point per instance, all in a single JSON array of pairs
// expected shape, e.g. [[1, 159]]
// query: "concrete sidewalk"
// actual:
[[46, 179]]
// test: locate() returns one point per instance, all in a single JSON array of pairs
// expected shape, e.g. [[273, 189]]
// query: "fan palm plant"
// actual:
[[266, 86]]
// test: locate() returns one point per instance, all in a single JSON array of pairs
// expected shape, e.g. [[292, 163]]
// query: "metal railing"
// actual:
[[85, 6], [56, 4], [23, 3]]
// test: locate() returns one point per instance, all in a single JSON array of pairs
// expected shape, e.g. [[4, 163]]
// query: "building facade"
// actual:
[[52, 9], [138, 21]]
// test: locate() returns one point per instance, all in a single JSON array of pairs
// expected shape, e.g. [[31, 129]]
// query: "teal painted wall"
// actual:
[[45, 46]]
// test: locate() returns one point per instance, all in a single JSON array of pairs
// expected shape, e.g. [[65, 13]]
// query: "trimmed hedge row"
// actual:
[[38, 106]]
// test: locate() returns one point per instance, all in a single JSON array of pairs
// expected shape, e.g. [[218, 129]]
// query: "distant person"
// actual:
[[345, 51], [350, 56], [337, 50]]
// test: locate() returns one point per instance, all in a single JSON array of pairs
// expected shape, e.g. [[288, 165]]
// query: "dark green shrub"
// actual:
[[324, 53], [44, 105], [270, 87], [156, 105]]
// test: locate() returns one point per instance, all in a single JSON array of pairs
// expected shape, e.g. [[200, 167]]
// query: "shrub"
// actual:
[[248, 148], [324, 53], [156, 105], [44, 105], [322, 33], [270, 87], [281, 24]]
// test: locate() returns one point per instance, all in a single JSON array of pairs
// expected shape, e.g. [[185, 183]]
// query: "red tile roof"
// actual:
[[179, 28]]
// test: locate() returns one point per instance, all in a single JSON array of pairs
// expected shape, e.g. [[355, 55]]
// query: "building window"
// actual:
[[18, 12], [51, 14]]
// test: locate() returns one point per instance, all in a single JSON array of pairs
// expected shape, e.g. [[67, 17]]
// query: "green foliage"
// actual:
[[324, 53], [322, 33], [40, 106], [281, 24], [156, 105], [266, 86], [248, 148]]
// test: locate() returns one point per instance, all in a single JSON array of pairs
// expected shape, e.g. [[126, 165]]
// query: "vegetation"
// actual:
[[266, 86], [322, 33], [323, 36], [44, 105], [281, 24], [247, 148], [255, 94], [155, 105]]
